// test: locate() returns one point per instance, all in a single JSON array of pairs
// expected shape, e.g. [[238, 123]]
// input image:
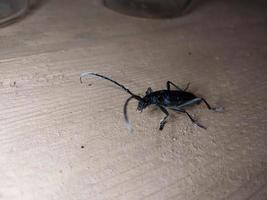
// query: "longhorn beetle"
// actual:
[[177, 100]]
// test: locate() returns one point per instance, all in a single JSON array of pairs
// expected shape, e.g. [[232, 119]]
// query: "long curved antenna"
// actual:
[[127, 123], [104, 77]]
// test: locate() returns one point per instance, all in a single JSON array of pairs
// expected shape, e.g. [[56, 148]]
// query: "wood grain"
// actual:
[[47, 115]]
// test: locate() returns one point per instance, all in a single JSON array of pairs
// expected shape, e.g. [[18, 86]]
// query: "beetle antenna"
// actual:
[[115, 82], [126, 119]]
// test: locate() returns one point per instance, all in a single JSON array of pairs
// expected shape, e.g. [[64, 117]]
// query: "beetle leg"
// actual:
[[149, 90], [219, 109], [197, 101], [190, 117], [169, 83], [187, 86], [193, 120], [164, 120], [188, 103]]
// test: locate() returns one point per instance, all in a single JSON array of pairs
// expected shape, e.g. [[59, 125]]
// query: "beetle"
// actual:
[[177, 100]]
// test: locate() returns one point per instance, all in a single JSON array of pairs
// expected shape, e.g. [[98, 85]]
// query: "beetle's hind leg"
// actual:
[[190, 117], [193, 120], [164, 120], [217, 109]]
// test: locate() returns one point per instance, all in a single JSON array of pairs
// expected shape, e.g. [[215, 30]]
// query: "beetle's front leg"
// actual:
[[149, 90], [164, 120]]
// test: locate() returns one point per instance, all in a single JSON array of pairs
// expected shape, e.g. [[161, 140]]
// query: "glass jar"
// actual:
[[11, 10], [149, 8]]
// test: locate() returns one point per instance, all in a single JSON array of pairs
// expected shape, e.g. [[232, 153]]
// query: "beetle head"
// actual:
[[142, 105]]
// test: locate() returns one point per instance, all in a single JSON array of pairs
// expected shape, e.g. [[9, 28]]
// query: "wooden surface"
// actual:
[[47, 115]]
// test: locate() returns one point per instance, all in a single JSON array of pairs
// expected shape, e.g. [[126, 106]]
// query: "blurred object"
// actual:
[[149, 8], [11, 10]]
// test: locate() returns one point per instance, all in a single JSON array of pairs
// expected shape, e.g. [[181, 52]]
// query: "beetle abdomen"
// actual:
[[180, 97], [169, 98]]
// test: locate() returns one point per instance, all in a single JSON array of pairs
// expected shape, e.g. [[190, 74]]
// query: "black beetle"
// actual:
[[177, 100]]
